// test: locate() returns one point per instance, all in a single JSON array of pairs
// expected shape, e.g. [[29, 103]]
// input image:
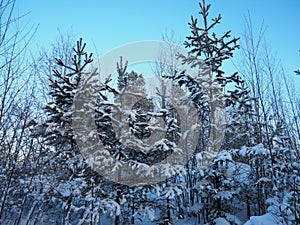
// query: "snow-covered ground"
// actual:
[[266, 219]]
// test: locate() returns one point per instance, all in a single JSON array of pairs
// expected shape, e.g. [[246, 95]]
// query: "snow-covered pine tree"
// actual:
[[284, 200], [266, 187], [58, 129], [206, 47], [241, 129], [66, 183], [112, 118], [64, 159], [207, 52], [217, 191], [127, 145]]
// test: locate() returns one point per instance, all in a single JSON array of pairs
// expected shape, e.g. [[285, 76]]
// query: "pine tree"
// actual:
[[58, 125], [207, 86], [217, 190], [71, 185], [207, 52], [242, 122]]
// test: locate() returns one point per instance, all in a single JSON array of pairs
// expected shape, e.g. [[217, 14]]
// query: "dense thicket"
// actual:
[[255, 169]]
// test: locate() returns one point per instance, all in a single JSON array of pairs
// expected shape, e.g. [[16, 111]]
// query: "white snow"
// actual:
[[221, 221], [266, 219]]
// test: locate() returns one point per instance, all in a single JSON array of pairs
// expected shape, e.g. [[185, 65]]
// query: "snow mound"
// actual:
[[221, 221], [266, 219]]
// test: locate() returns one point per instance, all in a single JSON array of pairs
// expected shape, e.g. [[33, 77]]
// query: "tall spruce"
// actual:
[[207, 52], [63, 84]]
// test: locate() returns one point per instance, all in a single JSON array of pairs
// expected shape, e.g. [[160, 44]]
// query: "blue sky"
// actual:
[[108, 24]]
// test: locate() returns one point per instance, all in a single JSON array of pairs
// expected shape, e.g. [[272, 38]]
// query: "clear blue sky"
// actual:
[[108, 24]]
